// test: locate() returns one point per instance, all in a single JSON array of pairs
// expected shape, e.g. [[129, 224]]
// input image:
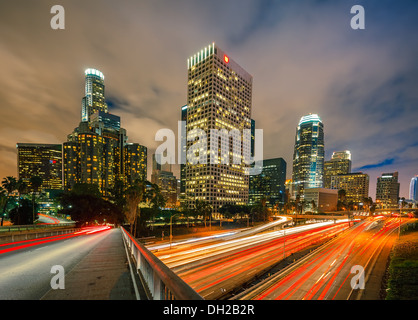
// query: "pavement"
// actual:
[[103, 274]]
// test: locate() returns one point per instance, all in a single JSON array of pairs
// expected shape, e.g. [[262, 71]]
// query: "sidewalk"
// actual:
[[102, 275]]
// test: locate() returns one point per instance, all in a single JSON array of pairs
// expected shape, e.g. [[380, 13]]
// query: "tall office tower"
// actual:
[[97, 151], [340, 163], [42, 160], [165, 179], [270, 184], [387, 190], [413, 189], [356, 186], [308, 156], [94, 99], [183, 165], [252, 137], [219, 97], [135, 162]]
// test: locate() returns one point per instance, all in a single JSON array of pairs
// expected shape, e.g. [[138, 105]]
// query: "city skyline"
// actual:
[[366, 109]]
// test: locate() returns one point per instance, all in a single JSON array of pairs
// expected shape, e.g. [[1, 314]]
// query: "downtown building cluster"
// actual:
[[316, 182], [219, 97], [96, 152]]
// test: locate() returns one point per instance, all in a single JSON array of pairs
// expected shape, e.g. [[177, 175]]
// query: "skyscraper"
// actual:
[[42, 160], [270, 184], [308, 156], [413, 189], [387, 190], [97, 151], [356, 186], [183, 165], [340, 163], [94, 99], [135, 162], [219, 97]]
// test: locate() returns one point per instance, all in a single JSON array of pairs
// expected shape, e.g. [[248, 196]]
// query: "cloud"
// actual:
[[303, 55], [384, 163]]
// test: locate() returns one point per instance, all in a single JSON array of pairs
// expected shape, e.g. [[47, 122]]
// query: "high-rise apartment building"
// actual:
[[134, 162], [270, 184], [41, 160], [340, 163], [356, 186], [97, 151], [413, 189], [387, 190], [308, 156], [219, 97]]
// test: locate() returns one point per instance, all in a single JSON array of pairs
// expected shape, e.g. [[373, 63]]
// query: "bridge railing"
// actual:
[[162, 282]]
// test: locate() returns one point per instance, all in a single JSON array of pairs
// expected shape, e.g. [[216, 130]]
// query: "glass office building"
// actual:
[[308, 156]]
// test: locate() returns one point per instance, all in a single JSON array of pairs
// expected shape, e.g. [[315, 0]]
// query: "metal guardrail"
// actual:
[[29, 227], [162, 282]]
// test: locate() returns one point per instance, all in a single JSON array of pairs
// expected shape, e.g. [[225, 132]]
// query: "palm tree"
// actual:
[[3, 199], [9, 184]]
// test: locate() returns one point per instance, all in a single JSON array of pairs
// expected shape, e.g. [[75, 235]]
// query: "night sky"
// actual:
[[303, 55]]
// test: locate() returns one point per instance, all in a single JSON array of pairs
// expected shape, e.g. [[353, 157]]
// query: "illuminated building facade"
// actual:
[[270, 184], [308, 156], [219, 97], [97, 151], [413, 189], [41, 160], [135, 162], [356, 186], [183, 165], [94, 99], [340, 163], [387, 190]]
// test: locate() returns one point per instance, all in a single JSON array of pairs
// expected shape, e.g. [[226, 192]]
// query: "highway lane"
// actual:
[[217, 268], [25, 267], [224, 236], [326, 274]]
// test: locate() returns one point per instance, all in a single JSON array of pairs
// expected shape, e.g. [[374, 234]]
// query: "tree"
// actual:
[[204, 208], [313, 205], [117, 194], [341, 195], [3, 199], [85, 204], [36, 184], [23, 213], [9, 184], [134, 196]]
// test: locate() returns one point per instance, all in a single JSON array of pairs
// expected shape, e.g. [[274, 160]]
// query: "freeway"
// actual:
[[333, 271], [229, 235], [25, 266], [217, 268]]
